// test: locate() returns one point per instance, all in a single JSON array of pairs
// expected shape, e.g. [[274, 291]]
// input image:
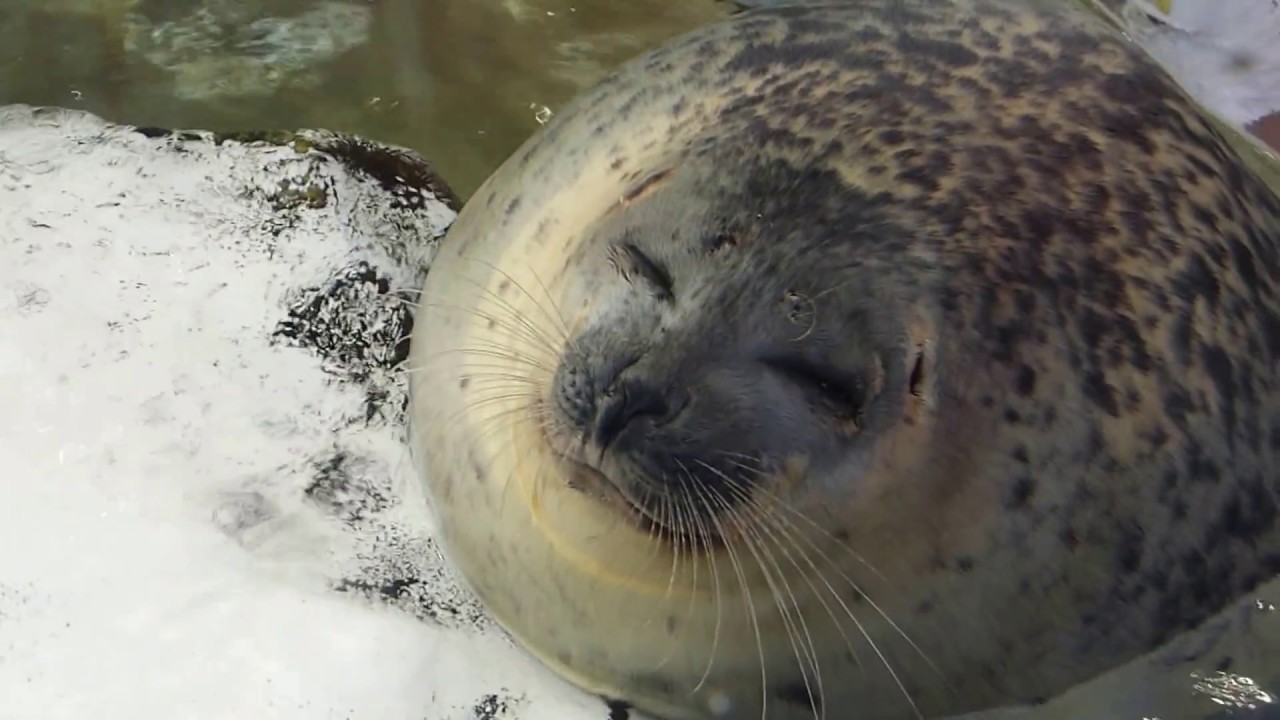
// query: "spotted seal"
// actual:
[[863, 359]]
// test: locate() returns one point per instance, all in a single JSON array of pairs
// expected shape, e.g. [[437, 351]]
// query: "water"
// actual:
[[461, 81]]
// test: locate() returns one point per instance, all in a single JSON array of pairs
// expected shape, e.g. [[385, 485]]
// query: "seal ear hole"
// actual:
[[917, 382]]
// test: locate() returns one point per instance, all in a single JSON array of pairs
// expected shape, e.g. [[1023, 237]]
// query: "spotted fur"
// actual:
[[1101, 269]]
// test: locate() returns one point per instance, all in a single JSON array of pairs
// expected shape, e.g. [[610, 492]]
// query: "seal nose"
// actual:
[[621, 406]]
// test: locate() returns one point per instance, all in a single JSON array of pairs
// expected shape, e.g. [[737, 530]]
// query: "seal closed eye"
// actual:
[[888, 359]]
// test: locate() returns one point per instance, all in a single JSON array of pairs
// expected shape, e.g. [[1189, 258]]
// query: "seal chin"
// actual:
[[624, 498], [645, 514], [586, 479]]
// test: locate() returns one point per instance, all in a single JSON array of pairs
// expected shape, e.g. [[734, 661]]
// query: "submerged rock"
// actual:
[[219, 48]]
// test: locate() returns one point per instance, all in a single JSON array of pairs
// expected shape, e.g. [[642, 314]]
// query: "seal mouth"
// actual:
[[591, 481], [686, 535]]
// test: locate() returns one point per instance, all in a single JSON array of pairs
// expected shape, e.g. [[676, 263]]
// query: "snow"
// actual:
[[208, 508], [1222, 51]]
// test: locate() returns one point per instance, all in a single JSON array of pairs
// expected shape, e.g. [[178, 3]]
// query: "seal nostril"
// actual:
[[573, 394], [624, 405]]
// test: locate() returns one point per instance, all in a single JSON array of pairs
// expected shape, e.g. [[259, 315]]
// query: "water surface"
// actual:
[[462, 81]]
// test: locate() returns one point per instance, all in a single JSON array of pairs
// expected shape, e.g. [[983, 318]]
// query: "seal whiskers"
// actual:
[[717, 523], [803, 648], [702, 534], [757, 501]]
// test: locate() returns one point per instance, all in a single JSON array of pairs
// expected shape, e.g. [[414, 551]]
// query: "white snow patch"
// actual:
[[1226, 53]]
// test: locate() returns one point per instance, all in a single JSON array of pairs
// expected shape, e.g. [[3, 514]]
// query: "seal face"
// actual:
[[879, 359], [730, 361]]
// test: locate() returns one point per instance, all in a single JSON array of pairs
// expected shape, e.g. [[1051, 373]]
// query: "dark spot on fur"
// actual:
[[1198, 280], [951, 54], [1099, 391], [1025, 383], [1246, 266], [1020, 495], [1200, 466], [1129, 546], [1250, 512], [1068, 537], [1219, 367]]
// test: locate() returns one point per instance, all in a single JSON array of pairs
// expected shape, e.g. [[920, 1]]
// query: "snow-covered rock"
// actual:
[[207, 508]]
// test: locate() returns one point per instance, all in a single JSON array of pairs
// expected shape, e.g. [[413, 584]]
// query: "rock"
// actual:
[[208, 506]]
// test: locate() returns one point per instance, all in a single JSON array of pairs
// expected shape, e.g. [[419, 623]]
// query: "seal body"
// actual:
[[878, 359]]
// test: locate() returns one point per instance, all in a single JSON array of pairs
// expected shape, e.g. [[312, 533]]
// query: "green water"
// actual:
[[461, 81]]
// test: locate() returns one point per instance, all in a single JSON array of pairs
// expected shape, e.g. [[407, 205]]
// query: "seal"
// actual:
[[876, 359]]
